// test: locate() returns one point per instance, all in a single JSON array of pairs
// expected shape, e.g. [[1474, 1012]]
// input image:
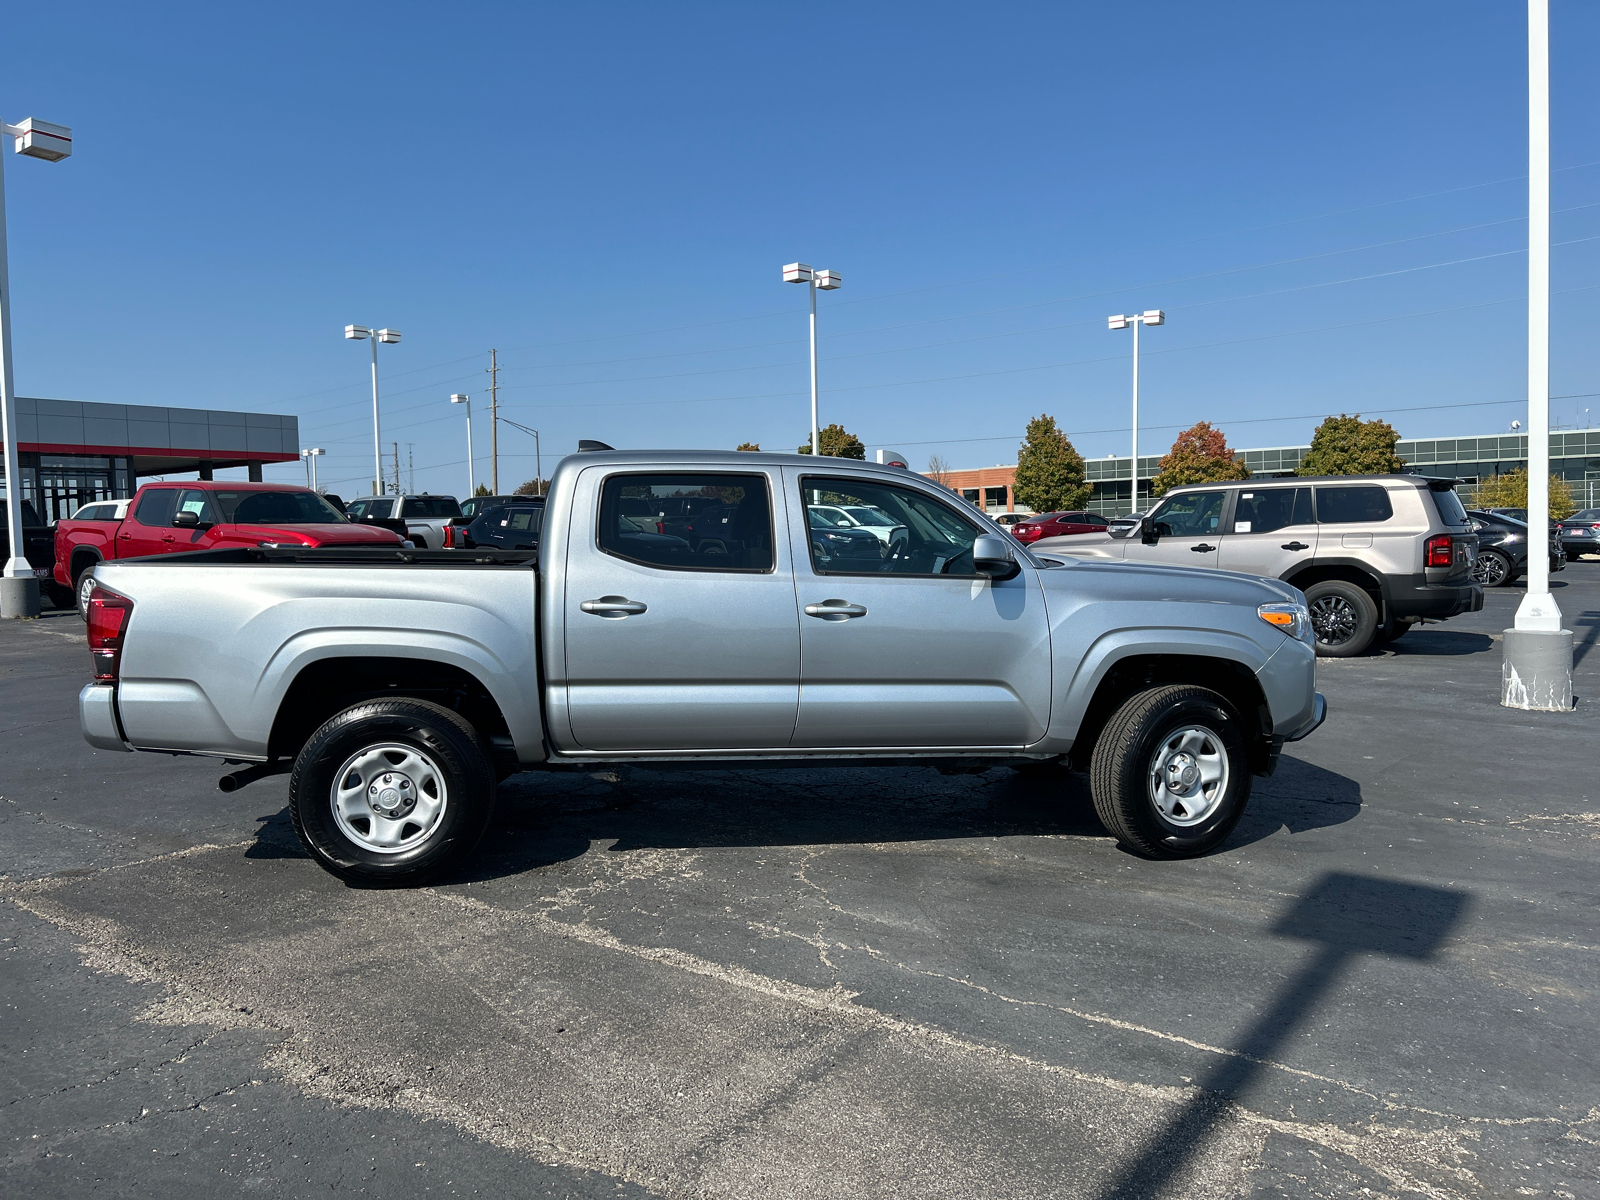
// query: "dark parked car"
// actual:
[[39, 548], [1580, 533], [476, 506], [1058, 524], [1503, 549], [513, 526], [830, 541]]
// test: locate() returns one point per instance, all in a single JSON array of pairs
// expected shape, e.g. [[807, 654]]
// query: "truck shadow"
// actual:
[[546, 819]]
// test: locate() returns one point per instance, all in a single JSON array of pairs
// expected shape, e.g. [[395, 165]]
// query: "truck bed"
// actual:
[[362, 556]]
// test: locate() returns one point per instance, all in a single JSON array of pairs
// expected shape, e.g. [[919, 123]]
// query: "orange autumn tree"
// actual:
[[1200, 455]]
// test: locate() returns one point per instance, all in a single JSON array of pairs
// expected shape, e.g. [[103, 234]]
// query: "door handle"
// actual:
[[614, 607], [1295, 546], [835, 610], [126, 537], [1202, 548], [169, 537]]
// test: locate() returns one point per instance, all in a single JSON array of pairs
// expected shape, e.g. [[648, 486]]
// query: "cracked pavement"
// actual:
[[885, 982]]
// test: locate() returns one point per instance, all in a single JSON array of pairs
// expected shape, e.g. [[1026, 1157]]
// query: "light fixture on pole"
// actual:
[[538, 457], [816, 281], [1150, 316], [1536, 671], [359, 333], [19, 589], [462, 398], [311, 457]]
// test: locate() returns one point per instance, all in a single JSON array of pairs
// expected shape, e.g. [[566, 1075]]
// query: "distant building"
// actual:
[[1574, 455], [73, 451]]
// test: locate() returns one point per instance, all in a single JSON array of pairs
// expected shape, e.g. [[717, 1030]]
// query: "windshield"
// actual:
[[274, 508], [868, 515]]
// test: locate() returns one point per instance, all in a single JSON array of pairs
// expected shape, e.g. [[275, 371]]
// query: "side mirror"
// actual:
[[1147, 532], [991, 557], [186, 520]]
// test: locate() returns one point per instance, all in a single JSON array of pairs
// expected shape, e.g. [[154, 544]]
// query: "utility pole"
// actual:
[[396, 445], [494, 421], [411, 470]]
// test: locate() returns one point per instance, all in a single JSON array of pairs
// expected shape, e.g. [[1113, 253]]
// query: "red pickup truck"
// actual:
[[164, 518]]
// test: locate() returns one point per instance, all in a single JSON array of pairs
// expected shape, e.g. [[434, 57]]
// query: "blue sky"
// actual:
[[1327, 200]]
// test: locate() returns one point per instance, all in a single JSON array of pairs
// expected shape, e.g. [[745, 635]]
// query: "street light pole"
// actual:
[[1151, 316], [311, 465], [462, 398], [1536, 672], [826, 281], [356, 333], [19, 590]]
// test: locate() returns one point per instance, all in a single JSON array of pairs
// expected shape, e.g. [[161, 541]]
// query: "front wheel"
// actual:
[[1170, 774], [390, 793]]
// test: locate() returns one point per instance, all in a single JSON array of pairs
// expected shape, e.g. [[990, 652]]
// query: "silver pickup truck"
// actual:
[[399, 686]]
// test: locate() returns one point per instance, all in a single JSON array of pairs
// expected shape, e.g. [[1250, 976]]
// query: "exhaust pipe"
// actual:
[[235, 780]]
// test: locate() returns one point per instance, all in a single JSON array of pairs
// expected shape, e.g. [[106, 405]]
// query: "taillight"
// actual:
[[1441, 551], [661, 527], [449, 536], [108, 621]]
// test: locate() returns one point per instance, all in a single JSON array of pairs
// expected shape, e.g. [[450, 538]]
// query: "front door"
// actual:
[[1273, 531], [902, 643], [672, 644], [1188, 530]]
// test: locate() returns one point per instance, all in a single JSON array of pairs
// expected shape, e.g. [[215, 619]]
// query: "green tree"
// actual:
[[482, 490], [1050, 473], [836, 442], [532, 487], [1199, 455], [755, 446], [1511, 491], [1346, 445]]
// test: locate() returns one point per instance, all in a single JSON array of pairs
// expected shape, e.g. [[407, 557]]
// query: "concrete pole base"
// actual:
[[1536, 673], [19, 599]]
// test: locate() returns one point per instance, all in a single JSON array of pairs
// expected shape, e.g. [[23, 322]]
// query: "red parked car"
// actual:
[[1043, 525], [164, 518]]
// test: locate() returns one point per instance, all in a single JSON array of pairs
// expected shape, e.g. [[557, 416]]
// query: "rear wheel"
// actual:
[[1492, 569], [84, 589], [1343, 618], [390, 793], [1170, 774]]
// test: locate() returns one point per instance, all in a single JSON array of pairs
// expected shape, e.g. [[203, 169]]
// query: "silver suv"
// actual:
[[1374, 554], [425, 515]]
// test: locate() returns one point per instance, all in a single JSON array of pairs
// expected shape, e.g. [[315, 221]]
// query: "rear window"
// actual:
[[1354, 505], [431, 508], [1451, 510]]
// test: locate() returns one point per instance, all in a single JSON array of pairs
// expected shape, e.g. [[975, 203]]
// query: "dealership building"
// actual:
[[1574, 455], [71, 452]]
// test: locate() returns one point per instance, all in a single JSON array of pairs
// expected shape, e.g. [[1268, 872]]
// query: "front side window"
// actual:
[[1271, 509], [1193, 514], [924, 537], [1353, 505], [688, 521], [194, 500], [525, 520]]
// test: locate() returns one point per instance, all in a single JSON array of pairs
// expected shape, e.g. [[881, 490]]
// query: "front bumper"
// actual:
[[1319, 714], [97, 715]]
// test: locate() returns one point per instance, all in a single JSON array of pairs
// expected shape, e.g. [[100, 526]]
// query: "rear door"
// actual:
[[1273, 531], [668, 647], [908, 645], [148, 529], [1188, 528]]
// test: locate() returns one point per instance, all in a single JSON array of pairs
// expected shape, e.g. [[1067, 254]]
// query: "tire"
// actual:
[[1171, 731], [442, 788], [1573, 555], [60, 597], [82, 588], [1493, 569], [1343, 618]]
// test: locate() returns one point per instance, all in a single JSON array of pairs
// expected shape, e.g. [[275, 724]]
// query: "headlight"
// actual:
[[1288, 616]]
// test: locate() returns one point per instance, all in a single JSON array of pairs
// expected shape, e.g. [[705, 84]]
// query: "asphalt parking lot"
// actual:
[[884, 983]]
